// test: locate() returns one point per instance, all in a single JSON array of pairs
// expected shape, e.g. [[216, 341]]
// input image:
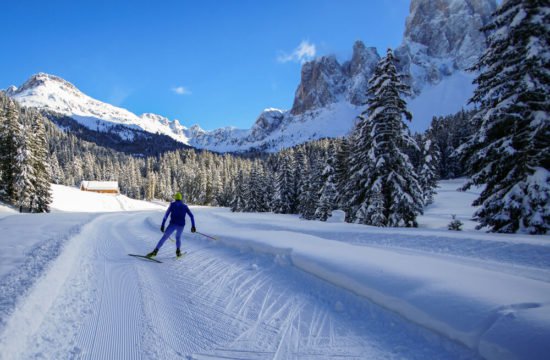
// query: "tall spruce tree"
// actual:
[[241, 196], [11, 135], [285, 185], [342, 175], [328, 193], [387, 192], [302, 170], [256, 189], [314, 183], [41, 198], [510, 153], [428, 172], [25, 178]]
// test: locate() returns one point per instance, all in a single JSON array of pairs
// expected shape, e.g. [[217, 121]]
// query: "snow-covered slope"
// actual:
[[71, 199], [55, 94], [6, 211]]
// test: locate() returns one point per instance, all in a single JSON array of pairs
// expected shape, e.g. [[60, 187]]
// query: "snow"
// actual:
[[439, 214], [272, 286], [6, 211], [74, 200], [447, 97], [99, 185]]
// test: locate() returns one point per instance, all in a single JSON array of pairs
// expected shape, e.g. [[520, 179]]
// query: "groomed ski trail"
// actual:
[[96, 302]]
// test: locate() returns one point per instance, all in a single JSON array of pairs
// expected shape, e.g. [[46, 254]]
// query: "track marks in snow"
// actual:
[[216, 302]]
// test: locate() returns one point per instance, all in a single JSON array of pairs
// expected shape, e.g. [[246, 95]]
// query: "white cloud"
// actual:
[[304, 52], [181, 90]]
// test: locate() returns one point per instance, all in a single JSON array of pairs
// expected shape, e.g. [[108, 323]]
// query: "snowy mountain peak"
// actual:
[[441, 38], [269, 120], [322, 82], [363, 58], [43, 79], [11, 90], [449, 28], [52, 93]]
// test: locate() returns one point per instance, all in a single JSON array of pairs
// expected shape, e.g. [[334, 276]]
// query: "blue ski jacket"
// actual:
[[177, 211]]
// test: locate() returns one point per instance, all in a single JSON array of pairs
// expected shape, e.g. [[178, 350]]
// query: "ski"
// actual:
[[182, 255], [145, 257], [207, 236]]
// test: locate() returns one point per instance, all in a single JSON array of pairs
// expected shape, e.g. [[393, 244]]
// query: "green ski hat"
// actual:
[[178, 196]]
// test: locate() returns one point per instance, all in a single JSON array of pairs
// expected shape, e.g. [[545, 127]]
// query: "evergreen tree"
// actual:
[[285, 188], [510, 153], [41, 198], [256, 188], [328, 192], [303, 181], [387, 191], [428, 168], [11, 135], [25, 176], [342, 176], [240, 199], [312, 190], [57, 173], [449, 133]]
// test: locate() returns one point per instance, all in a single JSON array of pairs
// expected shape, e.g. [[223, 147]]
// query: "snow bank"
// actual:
[[497, 314], [29, 244], [498, 305], [74, 200], [6, 211]]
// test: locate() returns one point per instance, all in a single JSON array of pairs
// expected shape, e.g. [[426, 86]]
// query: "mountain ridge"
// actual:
[[441, 40]]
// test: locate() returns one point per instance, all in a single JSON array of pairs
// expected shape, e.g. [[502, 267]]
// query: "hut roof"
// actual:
[[99, 185]]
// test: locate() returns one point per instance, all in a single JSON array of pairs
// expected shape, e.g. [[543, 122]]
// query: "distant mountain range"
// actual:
[[441, 40]]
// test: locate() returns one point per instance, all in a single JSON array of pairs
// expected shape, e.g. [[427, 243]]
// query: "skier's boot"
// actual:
[[178, 253], [152, 253]]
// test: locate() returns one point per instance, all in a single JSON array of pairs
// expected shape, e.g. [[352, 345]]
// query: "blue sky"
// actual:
[[214, 63]]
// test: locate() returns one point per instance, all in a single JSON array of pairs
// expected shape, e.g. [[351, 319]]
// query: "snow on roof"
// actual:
[[99, 185]]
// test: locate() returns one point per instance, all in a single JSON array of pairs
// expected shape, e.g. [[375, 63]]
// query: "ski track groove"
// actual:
[[217, 303]]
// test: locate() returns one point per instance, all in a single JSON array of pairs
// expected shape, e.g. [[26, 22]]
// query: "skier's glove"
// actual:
[[193, 229], [162, 228]]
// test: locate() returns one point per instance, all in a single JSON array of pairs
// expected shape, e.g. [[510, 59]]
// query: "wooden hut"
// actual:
[[104, 187]]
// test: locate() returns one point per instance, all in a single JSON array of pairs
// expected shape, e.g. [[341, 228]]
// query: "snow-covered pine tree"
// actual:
[[240, 199], [342, 175], [354, 191], [285, 188], [328, 192], [57, 172], [388, 192], [314, 184], [510, 153], [11, 135], [301, 175], [428, 172], [25, 177], [256, 187], [41, 198], [449, 133]]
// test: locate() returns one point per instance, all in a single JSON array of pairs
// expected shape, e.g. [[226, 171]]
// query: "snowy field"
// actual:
[[271, 286]]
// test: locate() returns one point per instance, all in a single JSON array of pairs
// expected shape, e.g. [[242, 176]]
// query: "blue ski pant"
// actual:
[[171, 228]]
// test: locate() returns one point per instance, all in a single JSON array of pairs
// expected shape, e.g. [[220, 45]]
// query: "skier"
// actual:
[[177, 211]]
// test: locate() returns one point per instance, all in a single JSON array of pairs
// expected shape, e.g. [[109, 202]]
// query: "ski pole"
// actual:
[[208, 236]]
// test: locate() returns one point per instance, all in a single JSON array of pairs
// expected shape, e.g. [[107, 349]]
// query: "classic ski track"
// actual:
[[217, 302]]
